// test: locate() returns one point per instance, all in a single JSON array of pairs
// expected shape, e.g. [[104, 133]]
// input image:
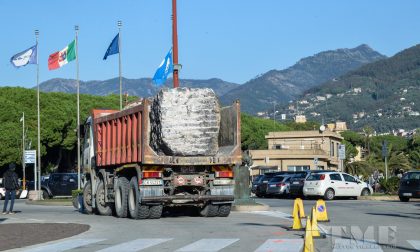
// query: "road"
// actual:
[[252, 231]]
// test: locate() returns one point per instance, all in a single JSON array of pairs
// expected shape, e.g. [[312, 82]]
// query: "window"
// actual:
[[349, 178], [332, 149], [412, 175], [298, 167], [315, 177], [276, 179], [338, 147], [336, 177]]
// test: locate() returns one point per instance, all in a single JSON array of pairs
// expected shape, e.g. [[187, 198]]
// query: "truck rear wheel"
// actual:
[[210, 210], [103, 207], [156, 212], [224, 210], [133, 198], [87, 197], [144, 212], [121, 195]]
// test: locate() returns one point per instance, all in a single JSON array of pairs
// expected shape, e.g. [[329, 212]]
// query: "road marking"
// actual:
[[277, 214], [135, 245], [284, 245], [208, 245], [351, 245], [415, 244], [63, 245]]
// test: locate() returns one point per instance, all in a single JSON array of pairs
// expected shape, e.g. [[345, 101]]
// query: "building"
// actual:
[[337, 126], [297, 151], [300, 119]]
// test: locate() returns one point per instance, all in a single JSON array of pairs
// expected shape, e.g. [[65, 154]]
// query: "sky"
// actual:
[[234, 40]]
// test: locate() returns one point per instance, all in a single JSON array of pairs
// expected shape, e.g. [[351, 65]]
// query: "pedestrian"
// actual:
[[10, 181]]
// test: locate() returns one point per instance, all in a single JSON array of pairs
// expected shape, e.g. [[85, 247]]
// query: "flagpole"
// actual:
[[38, 186], [175, 44], [119, 60], [76, 28], [23, 151]]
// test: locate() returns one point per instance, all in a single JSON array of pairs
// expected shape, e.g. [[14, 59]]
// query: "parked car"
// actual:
[[279, 185], [57, 184], [335, 184], [297, 182], [409, 186], [255, 183], [261, 190]]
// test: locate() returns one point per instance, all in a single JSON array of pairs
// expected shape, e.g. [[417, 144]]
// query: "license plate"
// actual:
[[272, 185], [152, 182], [296, 183], [407, 194]]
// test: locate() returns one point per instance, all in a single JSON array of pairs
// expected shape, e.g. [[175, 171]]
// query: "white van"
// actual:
[[2, 190], [335, 184]]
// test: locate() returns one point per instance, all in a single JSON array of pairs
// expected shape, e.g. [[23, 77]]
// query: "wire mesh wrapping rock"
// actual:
[[185, 122]]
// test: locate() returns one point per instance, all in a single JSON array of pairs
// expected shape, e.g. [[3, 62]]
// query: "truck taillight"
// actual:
[[152, 174], [224, 174]]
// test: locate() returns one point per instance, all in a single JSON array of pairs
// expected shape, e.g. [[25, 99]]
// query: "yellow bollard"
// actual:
[[314, 224], [321, 211], [297, 224], [295, 208], [308, 244], [301, 209]]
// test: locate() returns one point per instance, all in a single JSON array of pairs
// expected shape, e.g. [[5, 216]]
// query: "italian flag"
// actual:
[[60, 58]]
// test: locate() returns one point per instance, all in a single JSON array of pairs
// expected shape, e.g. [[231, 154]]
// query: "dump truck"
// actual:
[[176, 149]]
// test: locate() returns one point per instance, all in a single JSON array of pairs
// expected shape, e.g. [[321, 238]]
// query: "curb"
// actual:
[[380, 198], [250, 208]]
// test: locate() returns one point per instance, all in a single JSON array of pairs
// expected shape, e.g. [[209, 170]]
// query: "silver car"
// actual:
[[279, 185]]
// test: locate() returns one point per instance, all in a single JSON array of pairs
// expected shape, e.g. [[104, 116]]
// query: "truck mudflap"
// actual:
[[189, 198]]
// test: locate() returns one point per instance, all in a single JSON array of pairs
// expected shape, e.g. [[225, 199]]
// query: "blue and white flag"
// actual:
[[165, 68], [113, 48], [24, 58]]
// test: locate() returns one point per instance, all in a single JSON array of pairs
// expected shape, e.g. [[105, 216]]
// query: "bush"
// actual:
[[391, 185], [74, 193]]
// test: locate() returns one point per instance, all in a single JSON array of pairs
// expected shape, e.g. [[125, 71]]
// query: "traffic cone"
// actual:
[[301, 209], [295, 208], [297, 224], [321, 211], [314, 224], [308, 244]]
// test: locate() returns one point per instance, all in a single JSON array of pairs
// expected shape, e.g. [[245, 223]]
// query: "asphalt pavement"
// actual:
[[370, 225]]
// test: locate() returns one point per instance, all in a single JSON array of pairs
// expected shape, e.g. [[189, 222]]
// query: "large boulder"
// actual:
[[185, 122]]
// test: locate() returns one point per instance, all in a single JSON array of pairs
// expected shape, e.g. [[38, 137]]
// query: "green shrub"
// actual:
[[74, 193], [391, 185]]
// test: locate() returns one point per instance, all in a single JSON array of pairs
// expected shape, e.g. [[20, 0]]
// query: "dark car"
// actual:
[[255, 183], [279, 185], [298, 180], [57, 184], [409, 186], [261, 190]]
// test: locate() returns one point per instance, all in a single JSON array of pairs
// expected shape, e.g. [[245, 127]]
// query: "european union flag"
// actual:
[[165, 68], [113, 47]]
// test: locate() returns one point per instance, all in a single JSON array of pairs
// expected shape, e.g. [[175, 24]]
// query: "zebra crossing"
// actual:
[[205, 245]]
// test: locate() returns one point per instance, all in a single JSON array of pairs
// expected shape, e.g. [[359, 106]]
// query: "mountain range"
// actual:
[[258, 94], [384, 95]]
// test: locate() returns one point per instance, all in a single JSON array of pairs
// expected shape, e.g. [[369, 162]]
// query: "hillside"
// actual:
[[282, 86], [142, 87], [384, 94]]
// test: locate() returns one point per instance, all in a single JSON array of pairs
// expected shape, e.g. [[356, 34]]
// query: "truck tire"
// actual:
[[133, 198], [121, 195], [210, 210], [87, 197], [144, 212], [103, 207], [156, 212], [224, 210]]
